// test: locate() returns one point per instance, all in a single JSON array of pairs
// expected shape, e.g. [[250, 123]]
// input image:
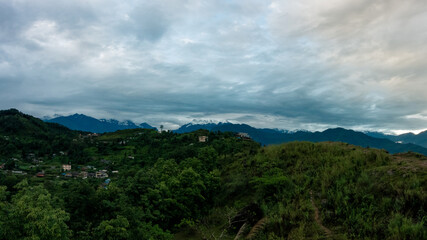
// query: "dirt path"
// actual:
[[328, 233]]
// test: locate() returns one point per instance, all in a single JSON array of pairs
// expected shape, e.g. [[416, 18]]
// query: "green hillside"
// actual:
[[16, 123], [27, 138], [145, 184]]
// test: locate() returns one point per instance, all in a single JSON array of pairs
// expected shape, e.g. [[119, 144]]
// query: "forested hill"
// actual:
[[22, 134], [267, 136], [13, 122], [145, 184]]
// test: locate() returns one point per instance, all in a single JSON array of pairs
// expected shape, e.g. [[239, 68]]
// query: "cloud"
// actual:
[[287, 64]]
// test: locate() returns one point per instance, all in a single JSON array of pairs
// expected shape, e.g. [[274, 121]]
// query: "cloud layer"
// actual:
[[288, 64]]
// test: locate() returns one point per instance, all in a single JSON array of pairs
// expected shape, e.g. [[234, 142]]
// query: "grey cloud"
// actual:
[[149, 22], [356, 64]]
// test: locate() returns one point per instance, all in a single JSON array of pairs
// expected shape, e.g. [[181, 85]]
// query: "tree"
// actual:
[[32, 215], [3, 213], [114, 229]]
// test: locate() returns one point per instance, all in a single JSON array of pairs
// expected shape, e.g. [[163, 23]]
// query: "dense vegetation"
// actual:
[[172, 185]]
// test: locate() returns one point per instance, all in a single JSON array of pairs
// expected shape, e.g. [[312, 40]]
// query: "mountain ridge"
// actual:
[[90, 124], [267, 136], [418, 139], [264, 136]]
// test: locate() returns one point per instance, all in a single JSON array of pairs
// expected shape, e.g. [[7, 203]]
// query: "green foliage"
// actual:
[[401, 227], [146, 231], [4, 206], [32, 214], [114, 229]]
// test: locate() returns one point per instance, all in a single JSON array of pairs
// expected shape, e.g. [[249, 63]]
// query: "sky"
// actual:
[[294, 64]]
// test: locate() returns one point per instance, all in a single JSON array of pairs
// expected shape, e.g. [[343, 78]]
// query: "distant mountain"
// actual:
[[85, 123], [419, 139], [273, 136], [190, 127], [147, 126], [377, 134]]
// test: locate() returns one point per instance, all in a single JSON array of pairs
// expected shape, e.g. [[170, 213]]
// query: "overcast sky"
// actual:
[[302, 64]]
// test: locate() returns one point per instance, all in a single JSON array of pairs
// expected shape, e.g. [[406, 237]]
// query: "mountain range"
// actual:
[[419, 139], [89, 124], [393, 144]]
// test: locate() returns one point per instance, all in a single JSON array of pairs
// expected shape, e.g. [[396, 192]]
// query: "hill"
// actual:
[[273, 136], [25, 137], [89, 124], [13, 122]]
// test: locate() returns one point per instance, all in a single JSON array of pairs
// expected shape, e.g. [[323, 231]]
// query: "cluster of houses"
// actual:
[[89, 136], [66, 170], [84, 174]]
